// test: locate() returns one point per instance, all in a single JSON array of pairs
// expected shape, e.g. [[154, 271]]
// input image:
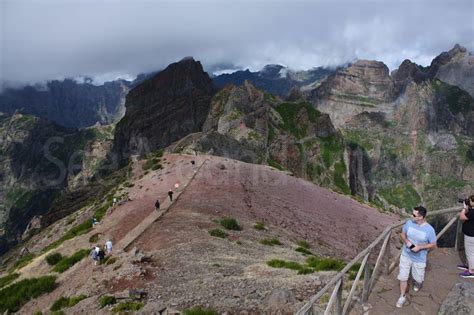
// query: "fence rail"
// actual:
[[369, 280]]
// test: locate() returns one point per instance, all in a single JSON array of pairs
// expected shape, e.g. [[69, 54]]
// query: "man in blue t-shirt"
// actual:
[[418, 237]]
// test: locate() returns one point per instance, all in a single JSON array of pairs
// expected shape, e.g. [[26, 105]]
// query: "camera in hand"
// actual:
[[464, 201], [412, 246]]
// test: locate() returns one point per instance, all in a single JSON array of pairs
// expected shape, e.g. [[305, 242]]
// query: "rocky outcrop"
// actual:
[[163, 109], [363, 86], [459, 301]]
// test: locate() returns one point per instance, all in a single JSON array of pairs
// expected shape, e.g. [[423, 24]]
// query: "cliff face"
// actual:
[[164, 109], [38, 161], [69, 103], [414, 143]]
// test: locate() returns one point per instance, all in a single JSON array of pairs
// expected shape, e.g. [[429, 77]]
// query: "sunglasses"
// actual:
[[416, 216]]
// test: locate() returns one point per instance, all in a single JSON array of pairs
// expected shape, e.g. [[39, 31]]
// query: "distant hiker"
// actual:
[[157, 205], [114, 202], [467, 217], [101, 255], [94, 255], [94, 222], [108, 247], [193, 163], [170, 194], [418, 237]]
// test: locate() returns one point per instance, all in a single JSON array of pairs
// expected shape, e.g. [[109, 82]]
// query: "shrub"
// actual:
[[270, 242], [107, 300], [218, 233], [12, 298], [67, 262], [111, 260], [63, 302], [325, 264], [198, 310], [259, 226], [304, 251], [305, 271], [293, 265], [276, 263], [53, 259], [230, 224], [127, 306], [94, 238]]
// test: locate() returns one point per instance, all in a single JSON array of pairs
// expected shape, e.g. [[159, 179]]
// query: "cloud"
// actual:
[[50, 39]]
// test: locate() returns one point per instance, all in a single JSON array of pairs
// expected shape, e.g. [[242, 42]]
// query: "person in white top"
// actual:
[[108, 247]]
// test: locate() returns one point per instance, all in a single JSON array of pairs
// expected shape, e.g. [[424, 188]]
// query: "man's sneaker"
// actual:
[[401, 301], [416, 286], [467, 274], [462, 267]]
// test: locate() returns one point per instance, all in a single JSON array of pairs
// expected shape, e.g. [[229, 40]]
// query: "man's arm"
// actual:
[[462, 215], [404, 238]]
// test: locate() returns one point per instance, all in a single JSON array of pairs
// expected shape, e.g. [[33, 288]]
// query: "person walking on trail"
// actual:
[[467, 217], [418, 237], [170, 194], [95, 254], [108, 247], [157, 205]]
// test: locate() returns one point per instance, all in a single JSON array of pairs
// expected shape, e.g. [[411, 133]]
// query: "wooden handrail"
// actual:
[[368, 284]]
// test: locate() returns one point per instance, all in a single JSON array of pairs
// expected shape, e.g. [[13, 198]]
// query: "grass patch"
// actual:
[[13, 297], [402, 196], [128, 306], [339, 181], [64, 302], [270, 241], [107, 300], [198, 310], [278, 263], [289, 113], [4, 281], [325, 264], [304, 250], [110, 260], [67, 262], [230, 224], [53, 259], [275, 164], [218, 233], [77, 230], [259, 226], [23, 261], [94, 238]]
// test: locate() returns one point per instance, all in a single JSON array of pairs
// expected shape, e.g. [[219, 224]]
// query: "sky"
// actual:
[[106, 39]]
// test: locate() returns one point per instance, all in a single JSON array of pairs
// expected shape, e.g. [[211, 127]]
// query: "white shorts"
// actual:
[[417, 270]]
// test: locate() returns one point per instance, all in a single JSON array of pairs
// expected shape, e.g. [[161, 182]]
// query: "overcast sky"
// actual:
[[104, 39]]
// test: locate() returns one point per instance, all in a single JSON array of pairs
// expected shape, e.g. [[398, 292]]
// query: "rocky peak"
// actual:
[[164, 108], [409, 69], [447, 56], [368, 69]]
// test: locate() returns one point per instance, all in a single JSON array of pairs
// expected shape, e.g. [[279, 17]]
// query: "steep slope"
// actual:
[[179, 264], [163, 109], [38, 161]]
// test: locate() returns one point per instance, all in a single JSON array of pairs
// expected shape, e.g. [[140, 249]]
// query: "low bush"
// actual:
[[304, 251], [304, 244], [67, 262], [107, 300], [53, 259], [325, 264], [259, 226], [218, 233], [64, 302], [13, 297], [230, 224], [94, 238]]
